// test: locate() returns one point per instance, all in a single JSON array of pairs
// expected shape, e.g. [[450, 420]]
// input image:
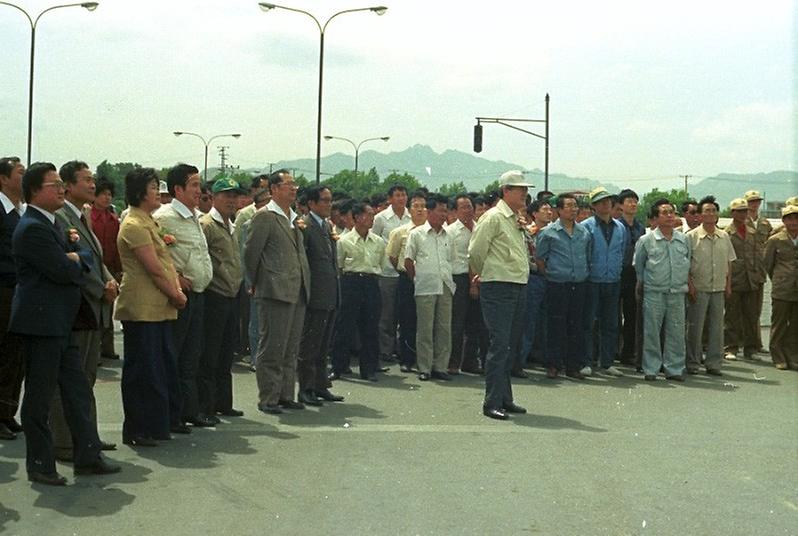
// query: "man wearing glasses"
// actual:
[[276, 262]]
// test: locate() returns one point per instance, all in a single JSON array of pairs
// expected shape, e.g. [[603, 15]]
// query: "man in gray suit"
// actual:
[[98, 293], [276, 263], [325, 297]]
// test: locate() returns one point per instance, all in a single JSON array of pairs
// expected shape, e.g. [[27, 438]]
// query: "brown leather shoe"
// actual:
[[551, 373], [49, 479]]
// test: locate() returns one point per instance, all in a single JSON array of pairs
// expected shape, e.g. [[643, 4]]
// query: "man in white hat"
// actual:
[[781, 264], [747, 278], [498, 256]]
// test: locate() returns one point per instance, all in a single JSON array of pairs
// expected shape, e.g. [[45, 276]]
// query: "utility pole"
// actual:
[[686, 177], [223, 156], [271, 167]]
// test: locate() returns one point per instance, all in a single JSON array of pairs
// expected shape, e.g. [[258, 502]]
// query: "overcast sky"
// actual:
[[638, 89]]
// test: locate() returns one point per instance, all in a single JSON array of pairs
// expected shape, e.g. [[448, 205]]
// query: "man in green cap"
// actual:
[[214, 380], [781, 264]]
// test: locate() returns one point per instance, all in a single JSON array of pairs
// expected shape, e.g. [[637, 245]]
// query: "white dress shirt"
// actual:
[[432, 253]]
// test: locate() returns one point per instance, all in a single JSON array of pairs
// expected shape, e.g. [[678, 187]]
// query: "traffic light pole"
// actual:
[[506, 122]]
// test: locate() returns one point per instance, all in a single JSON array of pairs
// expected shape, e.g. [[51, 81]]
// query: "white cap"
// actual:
[[514, 178]]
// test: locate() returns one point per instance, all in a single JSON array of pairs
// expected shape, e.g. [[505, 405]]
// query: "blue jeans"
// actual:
[[535, 313], [503, 311], [663, 310], [566, 333], [601, 307]]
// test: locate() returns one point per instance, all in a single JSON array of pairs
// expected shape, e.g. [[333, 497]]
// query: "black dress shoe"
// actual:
[[405, 368], [290, 404], [107, 446], [513, 408], [201, 421], [438, 375], [180, 429], [328, 396], [309, 398], [5, 433], [50, 479], [675, 378], [369, 377], [424, 376], [575, 375], [334, 376], [650, 377], [519, 373], [12, 425], [64, 456], [714, 372], [495, 413], [383, 369], [271, 410], [100, 467], [230, 412], [139, 441], [347, 370], [110, 356]]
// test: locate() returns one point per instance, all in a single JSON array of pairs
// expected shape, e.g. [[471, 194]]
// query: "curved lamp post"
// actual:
[[357, 146], [205, 143], [379, 10], [90, 6]]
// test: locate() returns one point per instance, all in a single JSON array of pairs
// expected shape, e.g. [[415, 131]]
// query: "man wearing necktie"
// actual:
[[11, 365], [50, 272], [98, 292]]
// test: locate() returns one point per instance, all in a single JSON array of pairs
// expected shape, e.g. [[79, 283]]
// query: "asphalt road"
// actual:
[[605, 456]]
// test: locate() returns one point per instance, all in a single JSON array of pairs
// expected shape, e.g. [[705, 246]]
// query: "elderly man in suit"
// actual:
[[43, 311], [325, 298], [98, 291], [276, 263], [11, 365]]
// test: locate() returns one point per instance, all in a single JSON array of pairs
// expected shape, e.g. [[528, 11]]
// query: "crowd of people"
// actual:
[[304, 282]]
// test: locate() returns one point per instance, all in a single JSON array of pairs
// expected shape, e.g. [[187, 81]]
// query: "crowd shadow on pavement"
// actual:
[[552, 422], [201, 448], [7, 515], [331, 414]]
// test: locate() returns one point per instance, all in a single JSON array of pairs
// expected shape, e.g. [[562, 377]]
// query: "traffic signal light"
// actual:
[[477, 138]]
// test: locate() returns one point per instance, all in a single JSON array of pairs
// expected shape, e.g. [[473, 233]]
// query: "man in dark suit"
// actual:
[[276, 263], [45, 305], [11, 364], [325, 297], [98, 292]]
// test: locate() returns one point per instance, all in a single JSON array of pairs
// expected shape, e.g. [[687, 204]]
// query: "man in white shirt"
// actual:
[[428, 260], [194, 269], [384, 222]]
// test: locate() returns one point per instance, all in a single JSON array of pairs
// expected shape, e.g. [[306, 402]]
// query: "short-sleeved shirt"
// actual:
[[397, 242], [190, 251], [386, 221], [139, 299], [361, 255], [712, 254], [460, 236], [567, 256], [432, 253]]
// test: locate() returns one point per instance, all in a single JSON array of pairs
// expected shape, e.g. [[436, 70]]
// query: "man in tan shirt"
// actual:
[[781, 264], [498, 256], [708, 285], [763, 230]]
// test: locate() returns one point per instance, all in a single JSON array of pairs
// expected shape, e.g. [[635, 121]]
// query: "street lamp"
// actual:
[[357, 146], [206, 143], [89, 6], [379, 10]]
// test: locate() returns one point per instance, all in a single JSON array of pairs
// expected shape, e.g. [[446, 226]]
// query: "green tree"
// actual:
[[115, 173], [491, 187], [357, 185], [452, 189], [405, 179], [675, 196]]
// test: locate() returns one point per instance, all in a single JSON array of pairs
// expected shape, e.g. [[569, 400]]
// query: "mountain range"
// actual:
[[436, 169]]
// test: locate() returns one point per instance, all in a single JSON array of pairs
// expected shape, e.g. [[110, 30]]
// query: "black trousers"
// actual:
[[214, 379], [53, 363], [360, 311], [150, 385], [631, 346], [406, 311], [313, 349], [566, 332], [187, 331], [12, 366]]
